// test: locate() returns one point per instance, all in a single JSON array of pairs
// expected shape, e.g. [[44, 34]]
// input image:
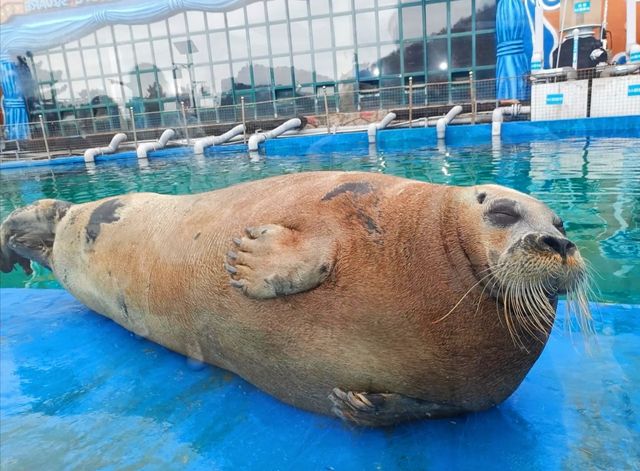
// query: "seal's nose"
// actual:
[[559, 245]]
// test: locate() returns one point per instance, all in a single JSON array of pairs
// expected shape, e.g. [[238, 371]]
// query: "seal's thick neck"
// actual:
[[457, 233]]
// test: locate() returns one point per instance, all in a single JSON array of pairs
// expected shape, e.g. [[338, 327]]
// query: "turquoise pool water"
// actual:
[[593, 184]]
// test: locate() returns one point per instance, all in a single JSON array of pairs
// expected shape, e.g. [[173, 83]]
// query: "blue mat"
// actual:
[[78, 391]]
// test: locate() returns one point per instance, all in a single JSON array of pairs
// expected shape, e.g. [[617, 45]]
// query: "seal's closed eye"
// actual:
[[559, 224], [503, 213]]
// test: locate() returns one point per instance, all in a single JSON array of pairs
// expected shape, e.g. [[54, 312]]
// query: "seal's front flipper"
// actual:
[[384, 409], [28, 234], [272, 260]]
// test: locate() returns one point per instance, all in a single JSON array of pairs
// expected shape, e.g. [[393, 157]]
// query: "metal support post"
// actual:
[[133, 127], [410, 101], [44, 136], [472, 93], [326, 107], [244, 121], [184, 119]]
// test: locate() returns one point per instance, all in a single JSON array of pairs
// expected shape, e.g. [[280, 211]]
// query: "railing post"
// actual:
[[184, 119], [410, 101], [133, 126], [44, 136], [326, 106], [472, 92], [244, 121]]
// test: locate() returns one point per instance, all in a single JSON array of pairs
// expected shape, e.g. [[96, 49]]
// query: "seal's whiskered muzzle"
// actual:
[[529, 277]]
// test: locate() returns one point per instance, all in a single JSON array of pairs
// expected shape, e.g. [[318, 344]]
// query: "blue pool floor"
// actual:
[[78, 391]]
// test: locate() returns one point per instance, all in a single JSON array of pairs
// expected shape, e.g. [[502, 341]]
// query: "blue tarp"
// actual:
[[78, 391]]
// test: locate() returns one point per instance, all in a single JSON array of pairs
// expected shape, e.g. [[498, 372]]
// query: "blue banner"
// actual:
[[634, 90], [582, 7], [555, 98]]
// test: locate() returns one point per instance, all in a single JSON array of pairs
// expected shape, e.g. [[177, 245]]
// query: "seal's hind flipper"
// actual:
[[272, 260], [28, 234], [383, 409]]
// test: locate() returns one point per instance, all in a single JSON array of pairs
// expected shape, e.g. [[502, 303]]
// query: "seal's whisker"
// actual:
[[462, 298], [577, 305], [591, 269], [530, 322], [513, 297], [493, 281], [508, 295]]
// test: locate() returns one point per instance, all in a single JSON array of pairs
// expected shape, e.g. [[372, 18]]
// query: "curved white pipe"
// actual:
[[144, 148], [373, 128], [90, 154], [256, 139], [497, 117], [200, 144], [441, 125]]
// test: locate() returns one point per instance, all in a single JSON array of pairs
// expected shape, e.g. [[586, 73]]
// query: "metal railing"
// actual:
[[347, 105]]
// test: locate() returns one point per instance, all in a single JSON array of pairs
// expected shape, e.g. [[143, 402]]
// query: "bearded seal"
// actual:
[[370, 297]]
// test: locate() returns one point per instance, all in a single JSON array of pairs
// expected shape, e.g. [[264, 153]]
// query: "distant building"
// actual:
[[84, 58], [266, 50]]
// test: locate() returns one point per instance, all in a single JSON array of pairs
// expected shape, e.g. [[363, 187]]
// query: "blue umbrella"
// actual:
[[512, 29], [15, 109]]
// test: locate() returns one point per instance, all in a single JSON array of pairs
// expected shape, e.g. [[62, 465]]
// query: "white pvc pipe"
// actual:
[[90, 154], [538, 39], [144, 148], [497, 117], [603, 25], [576, 39], [256, 139], [373, 128], [633, 49], [200, 144], [441, 125]]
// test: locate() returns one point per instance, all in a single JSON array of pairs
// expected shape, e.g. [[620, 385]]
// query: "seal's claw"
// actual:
[[237, 283], [339, 393], [231, 255], [237, 241], [360, 401], [256, 232], [353, 408], [230, 269]]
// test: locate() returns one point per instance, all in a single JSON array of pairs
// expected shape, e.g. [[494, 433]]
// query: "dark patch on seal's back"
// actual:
[[103, 214], [368, 223], [358, 188]]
